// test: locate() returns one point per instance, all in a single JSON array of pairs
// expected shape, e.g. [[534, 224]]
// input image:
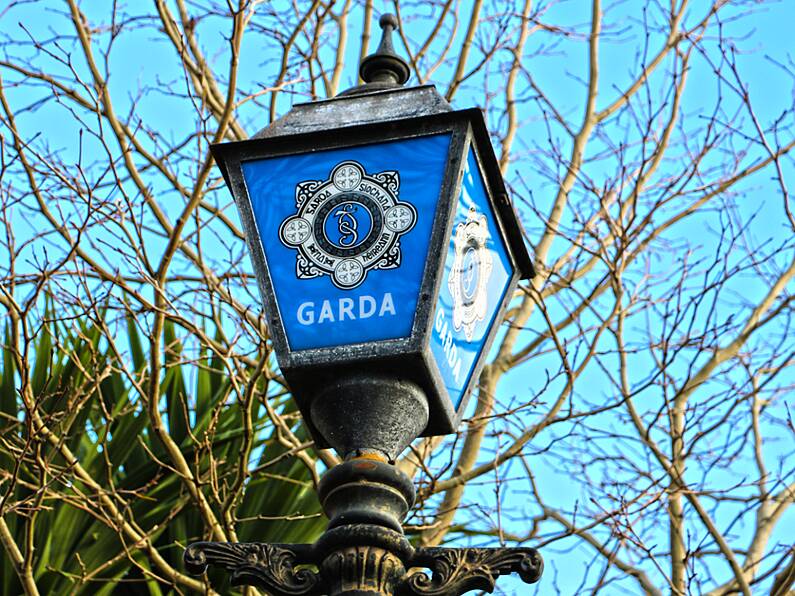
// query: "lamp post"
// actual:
[[386, 250]]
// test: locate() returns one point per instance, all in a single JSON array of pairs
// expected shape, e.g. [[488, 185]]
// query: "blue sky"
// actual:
[[763, 51]]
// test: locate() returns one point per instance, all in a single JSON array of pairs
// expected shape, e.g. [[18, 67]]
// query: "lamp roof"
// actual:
[[351, 110]]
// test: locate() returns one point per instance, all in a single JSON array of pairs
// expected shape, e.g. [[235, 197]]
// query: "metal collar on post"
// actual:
[[364, 552]]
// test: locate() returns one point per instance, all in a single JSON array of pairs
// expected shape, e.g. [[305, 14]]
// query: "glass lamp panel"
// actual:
[[345, 234], [477, 272]]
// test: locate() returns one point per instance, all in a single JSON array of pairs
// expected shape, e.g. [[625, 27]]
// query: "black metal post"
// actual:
[[364, 552], [369, 419]]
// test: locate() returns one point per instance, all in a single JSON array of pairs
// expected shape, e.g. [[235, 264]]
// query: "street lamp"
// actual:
[[386, 250]]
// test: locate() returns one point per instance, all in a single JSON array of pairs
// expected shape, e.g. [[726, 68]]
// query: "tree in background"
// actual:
[[633, 420]]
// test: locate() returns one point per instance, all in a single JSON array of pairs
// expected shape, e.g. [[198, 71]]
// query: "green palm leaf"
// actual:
[[104, 421]]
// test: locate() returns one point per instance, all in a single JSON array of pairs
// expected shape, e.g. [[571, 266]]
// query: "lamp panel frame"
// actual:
[[410, 357], [479, 145]]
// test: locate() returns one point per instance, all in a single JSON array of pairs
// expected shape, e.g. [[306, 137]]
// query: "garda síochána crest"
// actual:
[[469, 275], [347, 224]]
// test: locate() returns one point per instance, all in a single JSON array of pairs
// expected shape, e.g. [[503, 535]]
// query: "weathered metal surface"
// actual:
[[310, 370], [382, 413], [268, 566], [385, 65], [380, 98], [384, 68], [363, 491], [459, 570], [362, 571], [372, 397], [363, 551], [355, 110]]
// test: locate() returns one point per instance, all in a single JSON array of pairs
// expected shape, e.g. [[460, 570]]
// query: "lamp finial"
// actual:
[[385, 66]]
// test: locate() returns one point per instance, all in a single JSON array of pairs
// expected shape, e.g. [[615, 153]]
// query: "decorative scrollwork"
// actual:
[[304, 191], [304, 269], [268, 566], [458, 570], [390, 179], [391, 258]]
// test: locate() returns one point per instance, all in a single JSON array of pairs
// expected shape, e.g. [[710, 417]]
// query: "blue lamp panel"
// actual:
[[477, 272], [345, 234]]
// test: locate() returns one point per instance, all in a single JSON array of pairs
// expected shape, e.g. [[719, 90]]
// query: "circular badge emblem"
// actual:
[[347, 225], [469, 276]]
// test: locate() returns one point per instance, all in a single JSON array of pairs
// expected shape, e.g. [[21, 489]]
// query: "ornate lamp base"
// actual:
[[364, 552]]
